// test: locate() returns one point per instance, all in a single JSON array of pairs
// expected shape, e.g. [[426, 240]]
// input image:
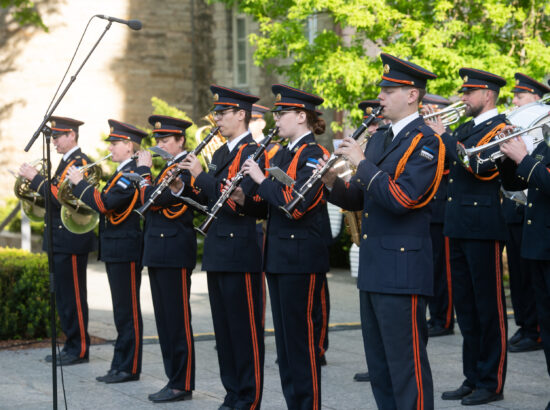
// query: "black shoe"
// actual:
[[323, 360], [121, 377], [48, 358], [169, 395], [481, 396], [155, 395], [224, 407], [548, 406], [104, 377], [457, 394], [437, 330], [516, 337], [69, 359], [362, 377], [525, 345]]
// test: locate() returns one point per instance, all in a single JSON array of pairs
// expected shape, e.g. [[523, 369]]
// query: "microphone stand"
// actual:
[[42, 128]]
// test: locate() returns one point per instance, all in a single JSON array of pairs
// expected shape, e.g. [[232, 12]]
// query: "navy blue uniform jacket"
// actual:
[[121, 242], [231, 244], [533, 173], [298, 245], [65, 241], [473, 205], [168, 242], [396, 248]]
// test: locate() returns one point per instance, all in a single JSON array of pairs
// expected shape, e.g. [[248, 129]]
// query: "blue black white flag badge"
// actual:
[[427, 153]]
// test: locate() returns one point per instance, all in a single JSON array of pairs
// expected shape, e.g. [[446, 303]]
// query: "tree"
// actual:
[[23, 12], [500, 36]]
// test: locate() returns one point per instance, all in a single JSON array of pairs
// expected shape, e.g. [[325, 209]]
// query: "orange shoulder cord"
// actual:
[[233, 169], [432, 189], [117, 218], [291, 172], [488, 137], [62, 177]]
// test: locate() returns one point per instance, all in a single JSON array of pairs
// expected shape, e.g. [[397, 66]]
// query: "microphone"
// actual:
[[133, 24]]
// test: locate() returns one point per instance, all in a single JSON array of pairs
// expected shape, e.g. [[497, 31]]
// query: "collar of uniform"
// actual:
[[69, 153], [290, 146], [181, 154], [123, 164], [485, 116], [235, 142], [402, 123]]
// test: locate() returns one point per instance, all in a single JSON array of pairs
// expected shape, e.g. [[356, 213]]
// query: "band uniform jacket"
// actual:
[[532, 173], [231, 244], [396, 248], [122, 241], [298, 245], [169, 236], [439, 202], [64, 241], [473, 208]]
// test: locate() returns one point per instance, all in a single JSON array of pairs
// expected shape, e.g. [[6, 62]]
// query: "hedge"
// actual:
[[24, 296]]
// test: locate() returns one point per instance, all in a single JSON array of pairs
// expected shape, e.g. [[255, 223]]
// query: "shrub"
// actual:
[[24, 297]]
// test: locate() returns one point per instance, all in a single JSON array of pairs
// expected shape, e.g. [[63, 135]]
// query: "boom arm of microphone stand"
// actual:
[[69, 84]]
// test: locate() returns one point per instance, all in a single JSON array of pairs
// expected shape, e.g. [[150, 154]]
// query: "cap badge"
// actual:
[[517, 81], [386, 68], [216, 97], [465, 78], [157, 124], [52, 123], [278, 97], [112, 130]]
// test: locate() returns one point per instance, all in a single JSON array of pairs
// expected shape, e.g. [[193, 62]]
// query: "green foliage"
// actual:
[[441, 35], [15, 224], [24, 12], [24, 297]]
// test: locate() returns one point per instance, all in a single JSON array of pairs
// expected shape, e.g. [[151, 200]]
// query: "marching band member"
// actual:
[[232, 256], [296, 253], [120, 246], [527, 337], [476, 230], [396, 177], [70, 251], [170, 249], [532, 172]]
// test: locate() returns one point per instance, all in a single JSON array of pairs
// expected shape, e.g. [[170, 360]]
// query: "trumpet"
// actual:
[[288, 209], [450, 114], [466, 153]]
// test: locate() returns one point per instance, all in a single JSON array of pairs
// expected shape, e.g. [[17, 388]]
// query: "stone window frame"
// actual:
[[241, 55]]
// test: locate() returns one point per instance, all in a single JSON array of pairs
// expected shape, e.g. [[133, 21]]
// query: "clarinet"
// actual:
[[236, 181], [167, 180], [288, 209]]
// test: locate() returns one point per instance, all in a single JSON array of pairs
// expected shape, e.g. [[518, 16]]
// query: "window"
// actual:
[[240, 50], [311, 28]]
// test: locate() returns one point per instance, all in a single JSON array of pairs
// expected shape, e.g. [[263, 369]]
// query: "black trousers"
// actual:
[[395, 334], [481, 311], [295, 302], [440, 304], [72, 302], [237, 308], [521, 289], [540, 271], [125, 281], [171, 290]]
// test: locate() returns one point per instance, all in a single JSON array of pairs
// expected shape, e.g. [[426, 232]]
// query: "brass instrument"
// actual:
[[33, 203], [76, 216], [450, 114], [465, 153]]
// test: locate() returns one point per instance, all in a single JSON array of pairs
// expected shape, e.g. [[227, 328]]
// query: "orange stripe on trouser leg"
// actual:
[[135, 314], [324, 315], [449, 283], [187, 329], [502, 326], [254, 336], [311, 341], [416, 354], [79, 308]]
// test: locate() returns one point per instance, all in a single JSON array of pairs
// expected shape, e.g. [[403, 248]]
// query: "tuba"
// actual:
[[76, 216], [32, 202]]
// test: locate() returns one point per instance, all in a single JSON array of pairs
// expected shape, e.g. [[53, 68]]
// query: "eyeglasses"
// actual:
[[279, 114], [220, 114]]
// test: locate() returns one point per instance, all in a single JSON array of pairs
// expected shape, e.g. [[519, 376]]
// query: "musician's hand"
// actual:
[[74, 175], [176, 185], [252, 169], [436, 124], [144, 159], [351, 150], [238, 196], [192, 164], [27, 171], [514, 149], [330, 176]]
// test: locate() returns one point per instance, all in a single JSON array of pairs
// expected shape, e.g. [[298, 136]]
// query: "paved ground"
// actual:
[[25, 378]]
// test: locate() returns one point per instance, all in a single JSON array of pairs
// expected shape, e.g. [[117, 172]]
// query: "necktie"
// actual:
[[388, 137]]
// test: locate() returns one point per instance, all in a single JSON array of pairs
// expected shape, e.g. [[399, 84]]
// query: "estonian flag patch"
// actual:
[[312, 162], [427, 153], [123, 183]]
